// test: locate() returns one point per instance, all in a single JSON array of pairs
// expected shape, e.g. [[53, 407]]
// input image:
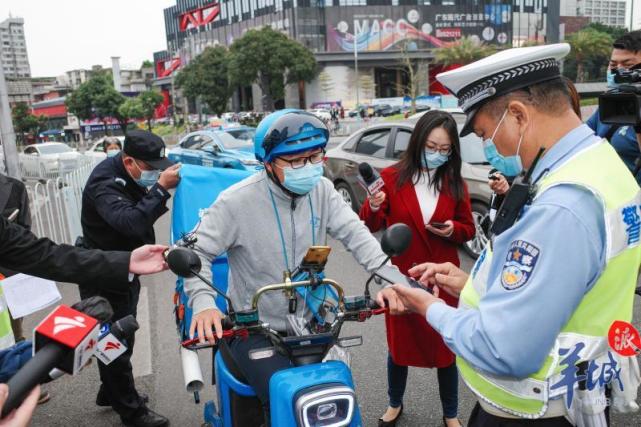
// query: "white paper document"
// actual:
[[27, 294]]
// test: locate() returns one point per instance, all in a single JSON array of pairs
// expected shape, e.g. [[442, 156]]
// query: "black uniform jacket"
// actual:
[[117, 213], [22, 251]]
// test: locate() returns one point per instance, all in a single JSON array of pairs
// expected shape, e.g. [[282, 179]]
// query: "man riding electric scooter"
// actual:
[[266, 223]]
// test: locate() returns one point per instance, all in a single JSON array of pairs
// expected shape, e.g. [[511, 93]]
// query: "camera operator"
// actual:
[[626, 140]]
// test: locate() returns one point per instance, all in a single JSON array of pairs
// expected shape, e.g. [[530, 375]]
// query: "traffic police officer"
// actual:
[[122, 200], [541, 299]]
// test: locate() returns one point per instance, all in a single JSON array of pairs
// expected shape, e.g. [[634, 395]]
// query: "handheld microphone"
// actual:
[[369, 178], [66, 339], [111, 343]]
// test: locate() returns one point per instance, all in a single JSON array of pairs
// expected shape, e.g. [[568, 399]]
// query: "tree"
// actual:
[[588, 45], [462, 52], [147, 64], [411, 68], [272, 60], [131, 108], [614, 32], [149, 101], [26, 123], [97, 98], [207, 78], [326, 83]]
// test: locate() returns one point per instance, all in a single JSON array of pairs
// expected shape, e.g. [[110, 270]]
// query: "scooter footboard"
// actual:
[[321, 389]]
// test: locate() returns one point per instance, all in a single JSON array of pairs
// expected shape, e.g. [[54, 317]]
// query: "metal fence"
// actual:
[[56, 204]]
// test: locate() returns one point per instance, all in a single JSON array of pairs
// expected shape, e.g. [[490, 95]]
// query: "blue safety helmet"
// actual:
[[287, 132]]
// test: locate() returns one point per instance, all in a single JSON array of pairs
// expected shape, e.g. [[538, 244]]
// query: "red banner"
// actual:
[[199, 17]]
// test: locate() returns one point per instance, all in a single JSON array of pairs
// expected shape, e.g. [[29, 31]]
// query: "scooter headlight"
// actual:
[[327, 407]]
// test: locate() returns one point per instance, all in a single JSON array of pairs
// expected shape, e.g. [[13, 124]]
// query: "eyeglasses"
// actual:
[[300, 162], [432, 150]]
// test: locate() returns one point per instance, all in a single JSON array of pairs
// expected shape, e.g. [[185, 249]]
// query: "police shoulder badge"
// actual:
[[519, 263]]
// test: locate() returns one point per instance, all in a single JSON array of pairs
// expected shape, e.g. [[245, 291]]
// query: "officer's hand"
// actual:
[[376, 200], [447, 276], [500, 186], [170, 177], [203, 323], [389, 298], [21, 416], [414, 299], [148, 259]]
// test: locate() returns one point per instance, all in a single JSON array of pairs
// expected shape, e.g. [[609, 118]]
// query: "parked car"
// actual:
[[48, 160], [224, 148], [381, 145], [96, 152], [322, 114], [385, 110]]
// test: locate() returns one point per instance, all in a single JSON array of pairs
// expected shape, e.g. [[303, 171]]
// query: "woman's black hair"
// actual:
[[411, 163]]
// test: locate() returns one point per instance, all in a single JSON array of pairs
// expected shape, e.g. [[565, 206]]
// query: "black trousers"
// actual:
[[480, 418], [117, 378]]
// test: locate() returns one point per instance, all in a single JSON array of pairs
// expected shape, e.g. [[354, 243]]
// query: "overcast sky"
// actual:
[[64, 35]]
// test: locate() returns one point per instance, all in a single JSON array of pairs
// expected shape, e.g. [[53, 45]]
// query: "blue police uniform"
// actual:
[[567, 225], [624, 141]]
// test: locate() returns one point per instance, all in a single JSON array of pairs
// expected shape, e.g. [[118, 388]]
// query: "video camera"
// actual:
[[622, 104]]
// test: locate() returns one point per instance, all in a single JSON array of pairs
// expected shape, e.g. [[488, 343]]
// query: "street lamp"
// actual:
[[356, 65]]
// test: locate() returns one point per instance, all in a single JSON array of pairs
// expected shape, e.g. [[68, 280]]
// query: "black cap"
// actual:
[[148, 147]]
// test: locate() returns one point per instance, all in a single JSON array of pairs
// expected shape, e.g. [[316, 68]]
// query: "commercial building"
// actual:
[[379, 34], [15, 61], [616, 13]]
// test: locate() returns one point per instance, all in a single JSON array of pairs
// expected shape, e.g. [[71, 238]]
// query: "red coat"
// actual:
[[411, 340]]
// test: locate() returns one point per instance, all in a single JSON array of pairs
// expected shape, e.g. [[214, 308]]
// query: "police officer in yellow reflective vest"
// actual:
[[530, 332]]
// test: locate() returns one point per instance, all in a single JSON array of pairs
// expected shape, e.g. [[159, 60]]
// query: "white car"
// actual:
[[96, 152], [48, 160], [322, 114]]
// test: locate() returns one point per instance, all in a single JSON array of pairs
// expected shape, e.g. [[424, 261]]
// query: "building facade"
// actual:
[[15, 61], [380, 34], [616, 13]]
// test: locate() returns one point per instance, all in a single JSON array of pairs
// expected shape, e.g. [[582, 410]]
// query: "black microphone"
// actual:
[[66, 339], [369, 178]]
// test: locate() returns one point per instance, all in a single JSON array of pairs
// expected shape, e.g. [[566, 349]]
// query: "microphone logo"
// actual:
[[112, 346], [63, 323]]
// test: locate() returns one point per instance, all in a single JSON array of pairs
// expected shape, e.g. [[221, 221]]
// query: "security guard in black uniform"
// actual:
[[122, 200]]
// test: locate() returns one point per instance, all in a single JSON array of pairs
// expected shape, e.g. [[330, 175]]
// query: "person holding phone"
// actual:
[[424, 190]]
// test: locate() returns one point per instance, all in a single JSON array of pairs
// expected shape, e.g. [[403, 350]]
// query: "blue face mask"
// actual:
[[433, 159], [507, 165], [147, 178], [302, 181], [112, 153], [611, 83]]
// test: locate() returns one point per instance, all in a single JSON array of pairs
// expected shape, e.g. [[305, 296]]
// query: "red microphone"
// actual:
[[369, 178], [66, 339]]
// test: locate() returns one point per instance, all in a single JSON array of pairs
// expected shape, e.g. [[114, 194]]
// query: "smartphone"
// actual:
[[316, 256], [494, 177], [439, 225], [392, 275]]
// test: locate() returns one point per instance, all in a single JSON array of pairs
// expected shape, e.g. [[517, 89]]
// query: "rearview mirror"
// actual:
[[183, 262], [396, 239]]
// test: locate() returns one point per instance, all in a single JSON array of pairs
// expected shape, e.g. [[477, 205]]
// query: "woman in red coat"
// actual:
[[425, 191]]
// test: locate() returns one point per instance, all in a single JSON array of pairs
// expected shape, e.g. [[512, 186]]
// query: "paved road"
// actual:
[[158, 373]]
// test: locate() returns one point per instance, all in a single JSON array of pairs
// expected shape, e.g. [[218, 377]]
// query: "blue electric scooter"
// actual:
[[312, 393]]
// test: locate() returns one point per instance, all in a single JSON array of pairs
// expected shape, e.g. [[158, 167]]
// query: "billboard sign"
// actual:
[[382, 28]]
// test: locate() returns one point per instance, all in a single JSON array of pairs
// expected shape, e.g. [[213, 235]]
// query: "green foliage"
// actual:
[[589, 47], [147, 64], [131, 108], [462, 52], [272, 60], [26, 123], [149, 101], [207, 78], [97, 98], [614, 32]]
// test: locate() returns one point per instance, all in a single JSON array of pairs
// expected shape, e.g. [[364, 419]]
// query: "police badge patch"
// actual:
[[519, 264]]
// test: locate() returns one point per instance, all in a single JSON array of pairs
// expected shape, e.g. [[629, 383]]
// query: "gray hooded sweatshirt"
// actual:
[[243, 223]]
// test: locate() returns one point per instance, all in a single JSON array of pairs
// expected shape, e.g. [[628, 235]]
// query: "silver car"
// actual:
[[381, 145]]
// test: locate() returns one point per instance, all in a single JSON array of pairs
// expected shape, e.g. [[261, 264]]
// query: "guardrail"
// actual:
[[56, 204]]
